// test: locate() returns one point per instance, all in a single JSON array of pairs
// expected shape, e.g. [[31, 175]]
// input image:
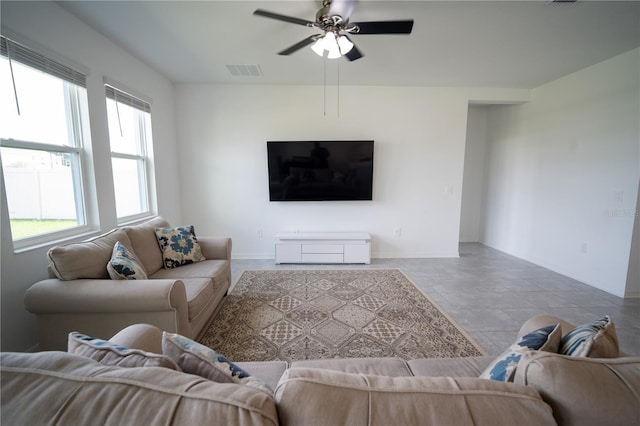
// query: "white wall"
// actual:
[[563, 170], [419, 138], [51, 28], [472, 214], [633, 274]]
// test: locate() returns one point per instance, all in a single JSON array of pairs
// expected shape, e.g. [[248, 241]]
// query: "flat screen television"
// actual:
[[320, 170]]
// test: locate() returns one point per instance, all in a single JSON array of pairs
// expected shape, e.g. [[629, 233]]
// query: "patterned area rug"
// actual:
[[295, 315]]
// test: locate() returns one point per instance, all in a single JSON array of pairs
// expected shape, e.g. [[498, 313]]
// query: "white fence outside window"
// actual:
[[40, 194]]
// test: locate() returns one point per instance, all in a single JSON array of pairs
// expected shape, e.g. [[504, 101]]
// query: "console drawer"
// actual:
[[322, 258], [288, 253], [323, 248]]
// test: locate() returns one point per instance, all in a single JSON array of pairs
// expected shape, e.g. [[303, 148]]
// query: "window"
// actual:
[[130, 137], [43, 110]]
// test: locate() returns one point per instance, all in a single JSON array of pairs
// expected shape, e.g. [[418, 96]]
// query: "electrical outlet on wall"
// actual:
[[448, 189], [397, 232], [260, 233], [618, 196]]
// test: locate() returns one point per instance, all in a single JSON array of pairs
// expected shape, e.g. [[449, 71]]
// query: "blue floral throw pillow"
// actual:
[[179, 246], [502, 369], [194, 358], [124, 265], [596, 339]]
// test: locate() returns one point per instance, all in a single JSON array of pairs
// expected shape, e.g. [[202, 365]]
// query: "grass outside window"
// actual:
[[24, 228]]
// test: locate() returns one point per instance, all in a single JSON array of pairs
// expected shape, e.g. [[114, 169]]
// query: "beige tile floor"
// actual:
[[490, 294]]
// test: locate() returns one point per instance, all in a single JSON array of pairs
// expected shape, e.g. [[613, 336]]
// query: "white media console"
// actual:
[[323, 247]]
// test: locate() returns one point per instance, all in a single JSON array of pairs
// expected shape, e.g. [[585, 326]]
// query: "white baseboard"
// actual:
[[382, 255], [249, 256], [262, 256]]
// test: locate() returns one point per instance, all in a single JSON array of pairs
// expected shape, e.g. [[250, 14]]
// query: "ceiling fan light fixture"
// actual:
[[335, 47], [333, 19], [331, 45], [334, 52], [345, 45], [318, 46]]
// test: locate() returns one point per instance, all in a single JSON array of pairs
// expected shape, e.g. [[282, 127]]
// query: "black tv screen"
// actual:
[[320, 170]]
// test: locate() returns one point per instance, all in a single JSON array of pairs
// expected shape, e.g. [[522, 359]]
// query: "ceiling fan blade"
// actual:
[[353, 54], [291, 19], [299, 45], [384, 27], [342, 8]]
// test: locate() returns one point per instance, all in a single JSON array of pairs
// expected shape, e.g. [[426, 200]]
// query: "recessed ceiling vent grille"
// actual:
[[245, 70]]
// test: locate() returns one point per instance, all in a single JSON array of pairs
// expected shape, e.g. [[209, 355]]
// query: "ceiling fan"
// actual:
[[333, 20]]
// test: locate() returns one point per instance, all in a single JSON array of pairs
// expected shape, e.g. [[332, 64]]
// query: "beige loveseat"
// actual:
[[79, 295], [64, 388]]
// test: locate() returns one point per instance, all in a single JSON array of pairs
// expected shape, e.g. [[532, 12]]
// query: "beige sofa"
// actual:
[[79, 295], [64, 388]]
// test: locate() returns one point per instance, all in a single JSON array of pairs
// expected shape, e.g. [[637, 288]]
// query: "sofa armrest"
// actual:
[[105, 296], [215, 247], [144, 337]]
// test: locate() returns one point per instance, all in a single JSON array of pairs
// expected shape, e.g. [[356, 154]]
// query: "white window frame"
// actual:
[[77, 111], [120, 95]]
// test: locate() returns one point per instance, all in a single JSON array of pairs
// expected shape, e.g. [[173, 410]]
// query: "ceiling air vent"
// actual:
[[245, 70]]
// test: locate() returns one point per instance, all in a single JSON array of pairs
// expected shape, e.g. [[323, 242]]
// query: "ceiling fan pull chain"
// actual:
[[338, 88], [325, 86], [115, 98], [13, 81]]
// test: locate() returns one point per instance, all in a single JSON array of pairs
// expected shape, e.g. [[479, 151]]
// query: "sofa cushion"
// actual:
[[203, 282], [108, 353], [199, 295], [206, 269], [596, 339], [545, 339], [374, 366], [267, 371], [124, 265], [194, 358], [585, 391], [325, 397], [87, 259], [57, 387], [145, 245], [455, 367], [179, 246]]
